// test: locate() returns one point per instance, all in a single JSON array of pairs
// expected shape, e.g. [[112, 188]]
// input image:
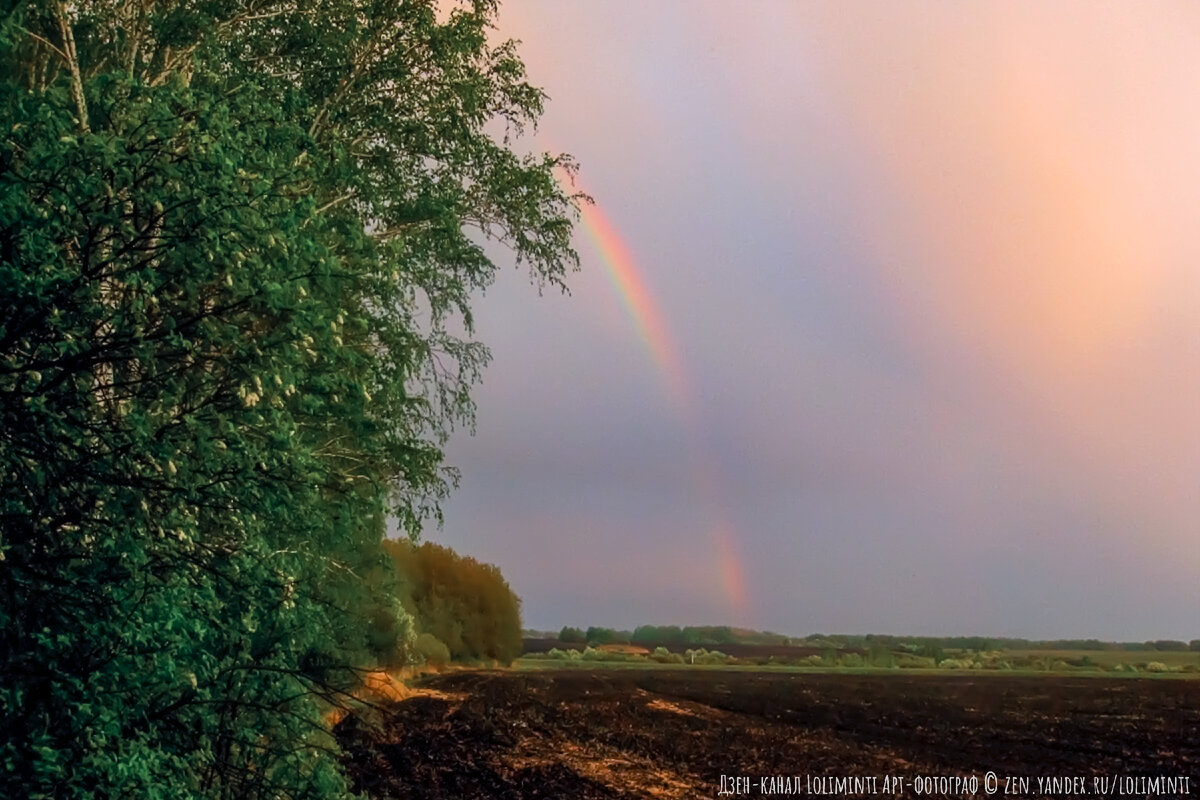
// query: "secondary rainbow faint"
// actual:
[[651, 325]]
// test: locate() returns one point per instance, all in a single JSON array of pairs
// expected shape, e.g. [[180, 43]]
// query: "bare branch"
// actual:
[[46, 42], [72, 59], [336, 201]]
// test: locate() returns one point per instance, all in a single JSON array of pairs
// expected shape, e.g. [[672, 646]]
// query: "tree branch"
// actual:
[[72, 59]]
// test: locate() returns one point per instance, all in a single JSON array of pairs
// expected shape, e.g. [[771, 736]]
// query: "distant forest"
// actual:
[[725, 634]]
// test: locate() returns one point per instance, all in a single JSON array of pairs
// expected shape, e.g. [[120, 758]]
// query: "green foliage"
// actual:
[[568, 634], [465, 604], [704, 657], [596, 635], [702, 634], [712, 634], [880, 656], [664, 656], [931, 651], [650, 634], [432, 650], [233, 247], [956, 663], [762, 637], [850, 660]]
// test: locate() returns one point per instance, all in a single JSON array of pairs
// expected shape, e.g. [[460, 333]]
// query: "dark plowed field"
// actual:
[[674, 733]]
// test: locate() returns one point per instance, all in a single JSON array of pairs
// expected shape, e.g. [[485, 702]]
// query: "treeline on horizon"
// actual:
[[725, 634]]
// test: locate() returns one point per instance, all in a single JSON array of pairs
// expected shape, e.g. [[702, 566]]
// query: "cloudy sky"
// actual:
[[888, 321]]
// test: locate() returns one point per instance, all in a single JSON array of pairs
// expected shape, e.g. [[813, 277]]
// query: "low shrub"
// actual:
[[702, 656], [432, 649], [664, 656], [955, 663]]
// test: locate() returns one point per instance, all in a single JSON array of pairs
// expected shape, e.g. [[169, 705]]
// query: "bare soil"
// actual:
[[583, 733]]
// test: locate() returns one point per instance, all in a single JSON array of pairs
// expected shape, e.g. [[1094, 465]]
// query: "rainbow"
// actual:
[[652, 329], [638, 302]]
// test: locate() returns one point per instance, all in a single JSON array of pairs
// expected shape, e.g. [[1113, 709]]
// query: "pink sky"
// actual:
[[933, 272]]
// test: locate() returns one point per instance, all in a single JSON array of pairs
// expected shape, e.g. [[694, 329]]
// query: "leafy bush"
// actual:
[[432, 650], [955, 663], [707, 657], [664, 656]]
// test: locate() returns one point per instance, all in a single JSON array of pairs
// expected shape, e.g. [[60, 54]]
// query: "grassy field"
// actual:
[[543, 654], [1110, 658]]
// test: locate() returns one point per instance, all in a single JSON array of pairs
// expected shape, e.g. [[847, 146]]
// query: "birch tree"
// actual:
[[235, 236]]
